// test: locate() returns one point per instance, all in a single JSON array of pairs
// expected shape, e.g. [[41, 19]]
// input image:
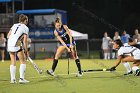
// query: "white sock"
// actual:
[[127, 66], [22, 70], [108, 55], [13, 72], [134, 68], [105, 55], [113, 55]]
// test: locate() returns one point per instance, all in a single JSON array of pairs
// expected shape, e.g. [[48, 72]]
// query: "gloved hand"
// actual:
[[113, 68]]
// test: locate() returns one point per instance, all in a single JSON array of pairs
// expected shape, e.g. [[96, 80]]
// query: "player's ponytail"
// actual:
[[22, 18], [58, 20], [119, 42]]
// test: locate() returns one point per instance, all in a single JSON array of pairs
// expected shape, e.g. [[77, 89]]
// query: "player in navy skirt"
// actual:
[[66, 43]]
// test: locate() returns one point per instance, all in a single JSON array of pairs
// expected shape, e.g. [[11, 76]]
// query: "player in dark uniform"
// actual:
[[66, 43], [134, 43]]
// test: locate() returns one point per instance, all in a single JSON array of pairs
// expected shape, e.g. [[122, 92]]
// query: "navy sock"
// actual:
[[55, 61], [78, 65]]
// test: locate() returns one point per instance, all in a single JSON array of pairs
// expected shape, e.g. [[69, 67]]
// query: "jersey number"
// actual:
[[16, 29]]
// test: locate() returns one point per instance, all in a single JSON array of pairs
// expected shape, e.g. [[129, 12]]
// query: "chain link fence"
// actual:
[[41, 49]]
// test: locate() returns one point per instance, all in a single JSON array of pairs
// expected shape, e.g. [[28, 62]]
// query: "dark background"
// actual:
[[96, 16]]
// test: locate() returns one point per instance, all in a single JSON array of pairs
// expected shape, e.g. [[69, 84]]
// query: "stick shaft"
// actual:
[[91, 70], [68, 66], [35, 66]]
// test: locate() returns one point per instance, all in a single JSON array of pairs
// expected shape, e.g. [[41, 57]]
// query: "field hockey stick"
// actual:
[[68, 62], [92, 70], [35, 66]]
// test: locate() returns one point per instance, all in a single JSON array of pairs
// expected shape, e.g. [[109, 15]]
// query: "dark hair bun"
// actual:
[[57, 20]]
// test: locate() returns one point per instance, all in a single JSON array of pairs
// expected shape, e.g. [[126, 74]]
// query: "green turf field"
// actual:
[[95, 82]]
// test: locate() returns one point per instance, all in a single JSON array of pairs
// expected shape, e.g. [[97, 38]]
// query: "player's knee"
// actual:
[[77, 60], [57, 56], [123, 60]]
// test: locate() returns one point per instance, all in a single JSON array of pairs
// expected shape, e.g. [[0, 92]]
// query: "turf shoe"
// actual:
[[50, 72], [128, 73], [23, 81], [13, 81], [79, 75], [137, 72]]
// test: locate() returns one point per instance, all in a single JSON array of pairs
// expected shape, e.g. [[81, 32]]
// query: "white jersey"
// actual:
[[105, 42], [129, 50], [3, 44], [116, 37], [17, 32]]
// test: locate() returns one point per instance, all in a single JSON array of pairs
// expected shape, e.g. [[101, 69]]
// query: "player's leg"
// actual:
[[77, 60], [105, 53], [13, 67], [136, 63], [58, 54], [127, 66], [135, 68], [22, 68], [29, 54], [108, 53], [2, 54]]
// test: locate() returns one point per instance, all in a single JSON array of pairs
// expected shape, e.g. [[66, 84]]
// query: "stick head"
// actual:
[[40, 72]]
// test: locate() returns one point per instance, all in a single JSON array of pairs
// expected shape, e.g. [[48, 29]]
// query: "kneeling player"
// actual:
[[133, 57], [66, 42]]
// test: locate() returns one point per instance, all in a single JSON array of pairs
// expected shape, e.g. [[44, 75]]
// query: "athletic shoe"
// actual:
[[2, 60], [13, 81], [23, 81], [79, 75], [137, 72], [128, 73], [50, 72]]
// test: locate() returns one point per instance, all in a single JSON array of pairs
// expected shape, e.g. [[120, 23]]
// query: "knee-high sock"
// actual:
[[22, 70], [127, 66], [108, 55], [55, 61], [134, 68], [13, 72], [78, 65], [113, 55], [105, 55]]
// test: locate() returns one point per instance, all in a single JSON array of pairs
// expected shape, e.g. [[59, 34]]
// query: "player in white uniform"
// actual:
[[17, 34], [114, 52], [133, 55], [2, 46], [105, 46]]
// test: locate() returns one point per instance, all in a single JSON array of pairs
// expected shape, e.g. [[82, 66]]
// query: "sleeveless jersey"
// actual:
[[17, 32], [64, 35]]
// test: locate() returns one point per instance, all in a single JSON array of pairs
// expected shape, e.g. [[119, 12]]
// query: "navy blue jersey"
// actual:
[[64, 35]]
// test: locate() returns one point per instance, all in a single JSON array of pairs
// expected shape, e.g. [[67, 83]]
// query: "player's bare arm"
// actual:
[[59, 38], [25, 44], [9, 33], [118, 61], [68, 32]]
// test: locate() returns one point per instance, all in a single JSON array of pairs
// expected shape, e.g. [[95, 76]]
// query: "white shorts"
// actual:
[[13, 49], [136, 54], [105, 46]]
